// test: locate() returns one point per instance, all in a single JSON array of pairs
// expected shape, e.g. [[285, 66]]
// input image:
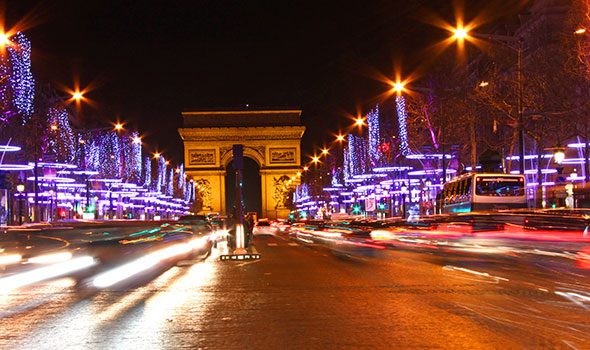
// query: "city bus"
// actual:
[[486, 191]]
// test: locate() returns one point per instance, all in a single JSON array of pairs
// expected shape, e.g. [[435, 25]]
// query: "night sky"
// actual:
[[150, 60]]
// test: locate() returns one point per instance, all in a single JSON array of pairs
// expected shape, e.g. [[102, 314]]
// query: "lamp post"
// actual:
[[460, 34], [20, 188], [428, 184], [404, 189]]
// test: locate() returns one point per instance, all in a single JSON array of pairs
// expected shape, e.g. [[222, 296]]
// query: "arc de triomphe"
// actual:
[[272, 138]]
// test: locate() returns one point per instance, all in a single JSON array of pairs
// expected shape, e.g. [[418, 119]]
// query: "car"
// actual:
[[263, 227], [197, 223]]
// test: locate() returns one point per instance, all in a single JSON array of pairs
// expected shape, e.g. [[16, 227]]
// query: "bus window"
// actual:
[[499, 186]]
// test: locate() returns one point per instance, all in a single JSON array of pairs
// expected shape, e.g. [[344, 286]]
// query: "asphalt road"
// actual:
[[306, 297]]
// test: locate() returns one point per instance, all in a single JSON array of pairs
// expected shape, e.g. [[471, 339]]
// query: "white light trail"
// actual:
[[10, 259], [44, 273], [51, 258], [118, 274]]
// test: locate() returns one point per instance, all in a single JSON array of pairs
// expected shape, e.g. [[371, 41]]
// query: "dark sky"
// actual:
[[149, 60]]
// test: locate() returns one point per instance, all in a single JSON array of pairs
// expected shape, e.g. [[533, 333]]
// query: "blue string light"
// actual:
[[61, 141], [402, 117], [22, 78], [374, 135]]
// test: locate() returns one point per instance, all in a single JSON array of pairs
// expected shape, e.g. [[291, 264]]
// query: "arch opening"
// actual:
[[251, 187]]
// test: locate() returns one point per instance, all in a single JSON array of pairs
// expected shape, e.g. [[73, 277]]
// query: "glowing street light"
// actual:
[[559, 156], [483, 84], [118, 127], [315, 159], [136, 140], [460, 33], [77, 95], [325, 151], [360, 121], [53, 127], [157, 155], [580, 31], [167, 162], [305, 168], [398, 87], [340, 138], [4, 39]]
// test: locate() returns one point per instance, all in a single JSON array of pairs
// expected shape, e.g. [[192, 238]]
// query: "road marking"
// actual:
[[568, 343], [293, 244], [249, 262], [483, 274], [272, 244], [254, 251]]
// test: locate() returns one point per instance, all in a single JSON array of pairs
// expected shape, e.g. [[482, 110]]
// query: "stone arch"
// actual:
[[271, 138], [249, 152]]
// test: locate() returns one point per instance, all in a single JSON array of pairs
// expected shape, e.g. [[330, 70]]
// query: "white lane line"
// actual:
[[254, 250], [483, 274], [568, 343], [272, 244], [293, 244]]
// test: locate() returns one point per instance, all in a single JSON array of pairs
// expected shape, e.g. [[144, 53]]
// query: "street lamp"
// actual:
[[559, 156], [398, 87], [325, 151], [360, 121], [77, 96], [340, 138], [20, 188], [118, 127], [4, 39], [461, 33]]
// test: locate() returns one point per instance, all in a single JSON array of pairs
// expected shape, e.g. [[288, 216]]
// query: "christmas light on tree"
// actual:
[[18, 87], [61, 140], [374, 135], [110, 156], [402, 118], [147, 172]]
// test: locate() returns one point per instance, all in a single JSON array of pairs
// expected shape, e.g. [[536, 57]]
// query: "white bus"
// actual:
[[485, 191]]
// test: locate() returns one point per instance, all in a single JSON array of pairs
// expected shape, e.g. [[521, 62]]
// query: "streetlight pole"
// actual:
[[461, 34], [520, 107], [20, 188]]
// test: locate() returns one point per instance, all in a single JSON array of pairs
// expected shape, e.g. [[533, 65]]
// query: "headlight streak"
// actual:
[[576, 298], [219, 234], [10, 259], [50, 258], [118, 274], [44, 273]]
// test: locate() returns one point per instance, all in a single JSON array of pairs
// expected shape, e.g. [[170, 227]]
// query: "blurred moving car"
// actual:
[[283, 226], [263, 227], [199, 224]]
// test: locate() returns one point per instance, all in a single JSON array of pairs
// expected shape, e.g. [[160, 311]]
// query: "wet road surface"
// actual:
[[304, 296]]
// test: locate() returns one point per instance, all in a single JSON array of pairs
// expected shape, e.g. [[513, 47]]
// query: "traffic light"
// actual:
[[356, 208], [381, 206]]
